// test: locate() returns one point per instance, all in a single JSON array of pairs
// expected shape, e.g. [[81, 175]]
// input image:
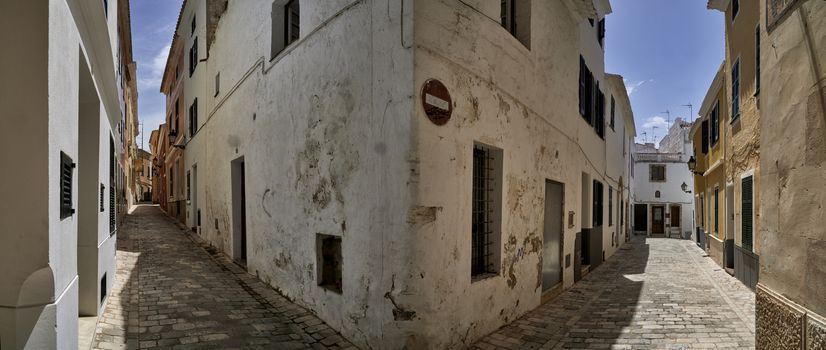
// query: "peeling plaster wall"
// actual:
[[325, 132], [793, 154], [509, 97]]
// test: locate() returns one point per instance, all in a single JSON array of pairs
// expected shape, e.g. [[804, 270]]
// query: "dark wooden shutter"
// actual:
[[113, 161], [601, 31], [747, 210], [705, 137], [67, 169], [292, 21], [582, 90]]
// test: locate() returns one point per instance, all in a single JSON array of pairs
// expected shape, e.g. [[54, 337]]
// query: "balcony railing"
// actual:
[[660, 157]]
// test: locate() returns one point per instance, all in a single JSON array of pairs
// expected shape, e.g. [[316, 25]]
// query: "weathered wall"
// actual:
[[324, 130], [509, 97], [793, 152]]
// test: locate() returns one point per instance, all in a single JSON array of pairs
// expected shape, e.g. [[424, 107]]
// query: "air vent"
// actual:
[[67, 169]]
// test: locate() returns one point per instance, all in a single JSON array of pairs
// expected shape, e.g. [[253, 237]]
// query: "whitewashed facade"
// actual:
[[61, 114], [312, 161]]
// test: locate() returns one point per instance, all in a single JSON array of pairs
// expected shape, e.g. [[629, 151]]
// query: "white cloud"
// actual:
[[655, 121], [634, 86], [151, 75]]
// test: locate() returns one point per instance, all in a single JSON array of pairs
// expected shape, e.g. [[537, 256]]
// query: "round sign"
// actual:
[[436, 102]]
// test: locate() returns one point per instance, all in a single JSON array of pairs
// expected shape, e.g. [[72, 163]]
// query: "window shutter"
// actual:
[[747, 210], [67, 169], [102, 192], [582, 90], [705, 137]]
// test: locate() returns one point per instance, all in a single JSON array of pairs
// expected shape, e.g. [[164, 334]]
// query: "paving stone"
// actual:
[[170, 292], [655, 293]]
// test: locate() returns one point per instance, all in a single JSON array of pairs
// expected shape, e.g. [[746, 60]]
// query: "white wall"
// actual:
[[677, 173]]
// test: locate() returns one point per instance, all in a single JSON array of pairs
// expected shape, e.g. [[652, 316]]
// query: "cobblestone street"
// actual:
[[655, 293], [171, 292]]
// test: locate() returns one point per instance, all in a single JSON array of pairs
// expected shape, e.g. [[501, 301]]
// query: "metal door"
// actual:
[[552, 243]]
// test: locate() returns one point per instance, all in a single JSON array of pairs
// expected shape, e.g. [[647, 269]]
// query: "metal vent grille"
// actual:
[[66, 174]]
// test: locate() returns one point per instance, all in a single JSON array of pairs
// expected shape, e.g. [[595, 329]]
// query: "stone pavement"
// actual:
[[171, 291], [655, 293]]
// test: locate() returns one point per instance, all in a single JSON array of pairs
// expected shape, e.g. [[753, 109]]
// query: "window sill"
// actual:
[[482, 277]]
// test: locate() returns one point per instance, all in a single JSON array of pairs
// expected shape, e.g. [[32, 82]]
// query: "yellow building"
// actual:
[[728, 163]]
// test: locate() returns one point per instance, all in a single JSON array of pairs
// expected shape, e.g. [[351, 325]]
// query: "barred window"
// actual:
[[486, 206]]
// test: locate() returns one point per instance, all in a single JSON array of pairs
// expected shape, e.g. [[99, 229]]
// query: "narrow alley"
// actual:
[[172, 292], [656, 293]]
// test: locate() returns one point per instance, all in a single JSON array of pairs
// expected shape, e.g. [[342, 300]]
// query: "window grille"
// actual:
[[67, 169], [482, 211]]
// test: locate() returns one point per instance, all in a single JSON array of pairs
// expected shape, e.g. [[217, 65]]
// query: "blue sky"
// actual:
[[668, 51], [153, 22]]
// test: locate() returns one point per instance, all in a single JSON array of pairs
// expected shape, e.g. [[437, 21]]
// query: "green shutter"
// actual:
[[748, 213]]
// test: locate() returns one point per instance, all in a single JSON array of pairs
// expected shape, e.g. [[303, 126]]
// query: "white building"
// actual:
[[63, 100], [313, 161], [663, 203]]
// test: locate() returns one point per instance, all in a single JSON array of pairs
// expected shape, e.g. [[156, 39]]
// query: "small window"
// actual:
[[292, 21], [657, 173], [601, 32], [193, 25], [217, 83], [485, 210], [747, 211], [102, 193], [328, 251], [613, 113], [757, 61], [515, 16], [67, 170], [735, 9], [735, 90], [657, 194], [610, 206], [598, 204], [193, 118], [193, 56]]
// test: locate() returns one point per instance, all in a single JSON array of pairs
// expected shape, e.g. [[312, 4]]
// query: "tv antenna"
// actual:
[[668, 121], [690, 111]]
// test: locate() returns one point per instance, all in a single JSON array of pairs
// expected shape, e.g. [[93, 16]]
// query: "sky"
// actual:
[[668, 52], [153, 23]]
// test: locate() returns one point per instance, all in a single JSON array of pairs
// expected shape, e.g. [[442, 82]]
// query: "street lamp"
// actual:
[[692, 166], [685, 188]]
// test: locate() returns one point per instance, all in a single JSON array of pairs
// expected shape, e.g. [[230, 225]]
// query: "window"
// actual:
[[657, 194], [586, 81], [187, 186], [67, 170], [102, 192], [217, 83], [292, 25], [598, 203], [735, 90], [716, 211], [113, 161], [601, 32], [193, 118], [757, 61], [657, 173], [193, 56], [328, 251], [715, 124], [705, 136], [613, 113], [599, 112], [106, 8], [515, 16], [735, 9], [622, 212], [192, 26], [747, 210], [486, 206], [610, 206], [103, 288], [174, 127]]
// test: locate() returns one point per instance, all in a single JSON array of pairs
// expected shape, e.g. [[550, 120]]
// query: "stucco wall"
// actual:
[[793, 153]]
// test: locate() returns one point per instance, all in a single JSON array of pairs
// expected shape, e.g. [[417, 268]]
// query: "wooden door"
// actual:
[[657, 220]]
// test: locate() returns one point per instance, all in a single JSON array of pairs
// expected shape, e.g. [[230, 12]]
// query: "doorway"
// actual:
[[676, 227], [239, 211], [640, 218], [657, 220], [552, 236]]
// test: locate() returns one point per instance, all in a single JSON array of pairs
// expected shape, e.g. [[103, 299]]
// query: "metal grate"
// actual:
[[67, 167], [482, 211]]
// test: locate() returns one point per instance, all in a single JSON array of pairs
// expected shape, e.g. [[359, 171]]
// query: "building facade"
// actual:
[[143, 176], [466, 189], [66, 94], [791, 304], [663, 203], [158, 147]]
